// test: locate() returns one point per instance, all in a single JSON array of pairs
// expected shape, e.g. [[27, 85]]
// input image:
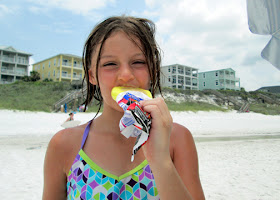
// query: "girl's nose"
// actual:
[[125, 74]]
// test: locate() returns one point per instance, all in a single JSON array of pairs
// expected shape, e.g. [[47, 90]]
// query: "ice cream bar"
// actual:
[[135, 122]]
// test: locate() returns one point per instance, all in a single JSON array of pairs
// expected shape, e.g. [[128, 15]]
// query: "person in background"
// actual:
[[71, 117], [65, 107]]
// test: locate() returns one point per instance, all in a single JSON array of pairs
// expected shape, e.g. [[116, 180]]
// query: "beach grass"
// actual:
[[265, 109], [41, 96], [32, 96], [192, 106]]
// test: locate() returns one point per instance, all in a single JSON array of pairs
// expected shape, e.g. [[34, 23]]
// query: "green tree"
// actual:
[[34, 76]]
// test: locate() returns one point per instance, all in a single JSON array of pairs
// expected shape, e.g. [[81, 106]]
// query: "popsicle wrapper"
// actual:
[[135, 122]]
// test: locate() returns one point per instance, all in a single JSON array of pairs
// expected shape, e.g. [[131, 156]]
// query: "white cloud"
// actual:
[[4, 10], [82, 7], [211, 35]]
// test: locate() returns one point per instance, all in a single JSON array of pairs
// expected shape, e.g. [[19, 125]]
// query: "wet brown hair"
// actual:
[[141, 28]]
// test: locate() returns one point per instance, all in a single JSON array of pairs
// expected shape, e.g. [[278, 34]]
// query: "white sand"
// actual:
[[238, 152]]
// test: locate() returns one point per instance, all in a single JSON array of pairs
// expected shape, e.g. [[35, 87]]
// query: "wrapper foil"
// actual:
[[135, 122]]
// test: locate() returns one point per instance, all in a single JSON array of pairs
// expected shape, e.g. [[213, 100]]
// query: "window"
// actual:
[[44, 66], [203, 75], [181, 80], [217, 82], [54, 62], [21, 60], [217, 74], [64, 74], [49, 64], [65, 62], [204, 84], [174, 69], [169, 79], [174, 80], [53, 72], [168, 69], [181, 70]]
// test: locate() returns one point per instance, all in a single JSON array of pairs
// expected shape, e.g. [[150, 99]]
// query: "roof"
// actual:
[[272, 89], [180, 65], [12, 49], [63, 54], [230, 69]]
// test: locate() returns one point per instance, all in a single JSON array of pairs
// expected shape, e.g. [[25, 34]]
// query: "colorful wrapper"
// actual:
[[135, 122]]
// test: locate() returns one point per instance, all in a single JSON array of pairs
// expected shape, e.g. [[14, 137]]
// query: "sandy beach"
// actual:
[[238, 152]]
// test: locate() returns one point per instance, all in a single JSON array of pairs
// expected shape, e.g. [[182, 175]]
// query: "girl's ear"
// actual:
[[92, 78]]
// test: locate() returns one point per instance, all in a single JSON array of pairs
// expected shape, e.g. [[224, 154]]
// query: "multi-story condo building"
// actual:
[[223, 79], [62, 67], [179, 76], [13, 64]]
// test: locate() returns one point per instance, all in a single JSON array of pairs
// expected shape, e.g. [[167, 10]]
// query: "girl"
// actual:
[[93, 161]]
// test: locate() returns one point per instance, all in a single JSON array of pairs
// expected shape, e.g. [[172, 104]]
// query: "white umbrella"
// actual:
[[264, 19]]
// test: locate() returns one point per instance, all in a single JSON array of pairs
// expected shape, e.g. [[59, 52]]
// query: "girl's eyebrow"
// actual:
[[111, 56], [106, 56]]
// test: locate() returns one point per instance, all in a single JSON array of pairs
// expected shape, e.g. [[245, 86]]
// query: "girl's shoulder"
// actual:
[[180, 132], [68, 137], [181, 139], [65, 145]]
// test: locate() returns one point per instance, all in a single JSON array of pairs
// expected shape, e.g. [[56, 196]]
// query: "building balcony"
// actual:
[[21, 73], [8, 59], [7, 71], [23, 62], [14, 60], [69, 66], [66, 64], [194, 84], [76, 77], [65, 76], [6, 81], [229, 86], [14, 72], [228, 77], [78, 66], [68, 76]]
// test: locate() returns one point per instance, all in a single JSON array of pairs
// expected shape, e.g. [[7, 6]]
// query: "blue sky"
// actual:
[[207, 35]]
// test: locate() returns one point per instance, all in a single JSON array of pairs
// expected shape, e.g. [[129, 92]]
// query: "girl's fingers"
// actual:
[[158, 110]]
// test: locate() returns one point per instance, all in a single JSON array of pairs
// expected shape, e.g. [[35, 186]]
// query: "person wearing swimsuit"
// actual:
[[93, 161]]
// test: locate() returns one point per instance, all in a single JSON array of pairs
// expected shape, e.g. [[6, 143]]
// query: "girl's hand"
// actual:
[[156, 149]]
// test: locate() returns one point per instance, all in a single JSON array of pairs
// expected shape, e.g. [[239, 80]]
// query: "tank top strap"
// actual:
[[86, 133]]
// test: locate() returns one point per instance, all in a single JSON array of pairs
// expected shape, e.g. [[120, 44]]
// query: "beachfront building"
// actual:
[[223, 79], [62, 67], [271, 89], [179, 77], [13, 64]]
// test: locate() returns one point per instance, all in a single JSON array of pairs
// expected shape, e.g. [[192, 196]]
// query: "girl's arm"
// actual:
[[54, 175], [175, 178]]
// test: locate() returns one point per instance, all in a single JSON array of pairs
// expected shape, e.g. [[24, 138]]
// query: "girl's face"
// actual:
[[122, 63]]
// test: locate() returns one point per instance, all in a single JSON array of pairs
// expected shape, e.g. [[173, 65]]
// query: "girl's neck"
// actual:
[[109, 120]]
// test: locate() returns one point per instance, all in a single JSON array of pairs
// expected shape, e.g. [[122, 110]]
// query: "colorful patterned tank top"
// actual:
[[86, 180]]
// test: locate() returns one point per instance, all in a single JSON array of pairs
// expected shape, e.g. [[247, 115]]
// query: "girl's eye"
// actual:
[[109, 64], [139, 62]]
